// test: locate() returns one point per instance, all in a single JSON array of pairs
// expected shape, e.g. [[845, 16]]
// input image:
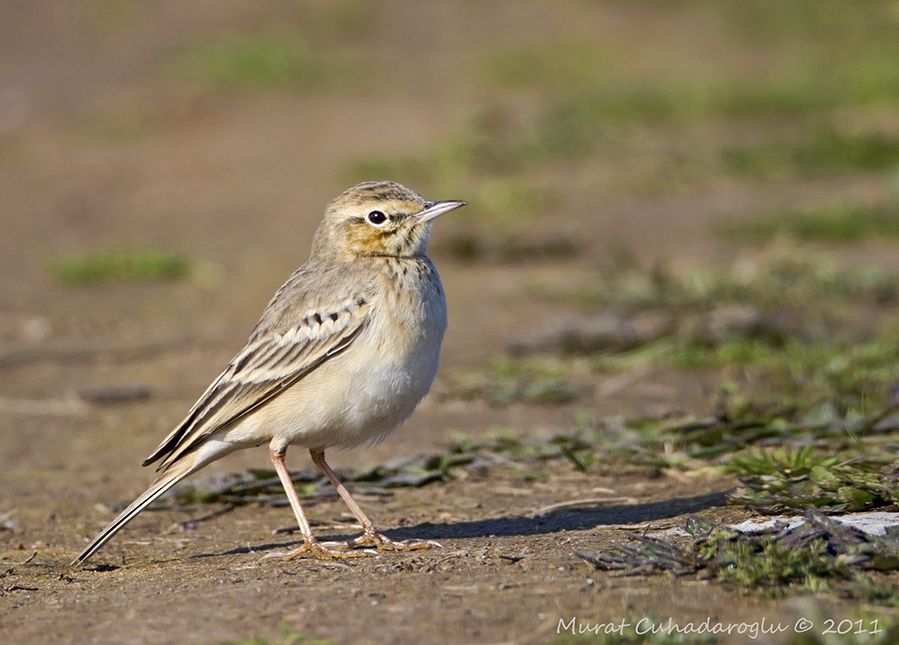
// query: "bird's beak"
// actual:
[[433, 210]]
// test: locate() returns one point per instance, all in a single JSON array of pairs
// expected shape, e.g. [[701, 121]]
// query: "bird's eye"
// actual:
[[377, 218]]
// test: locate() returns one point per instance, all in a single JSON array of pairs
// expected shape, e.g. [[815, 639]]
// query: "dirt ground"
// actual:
[[102, 145]]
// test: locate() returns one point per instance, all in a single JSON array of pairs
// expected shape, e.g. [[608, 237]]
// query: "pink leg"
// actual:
[[312, 545], [370, 535]]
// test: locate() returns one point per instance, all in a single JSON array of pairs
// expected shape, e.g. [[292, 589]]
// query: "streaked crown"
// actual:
[[378, 218]]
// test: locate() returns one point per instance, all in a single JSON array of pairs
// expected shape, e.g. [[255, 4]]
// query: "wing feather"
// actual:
[[271, 362]]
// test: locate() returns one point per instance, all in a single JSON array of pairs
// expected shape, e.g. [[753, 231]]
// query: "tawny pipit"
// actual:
[[343, 353]]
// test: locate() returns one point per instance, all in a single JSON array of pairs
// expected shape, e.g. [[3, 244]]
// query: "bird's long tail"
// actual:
[[169, 478]]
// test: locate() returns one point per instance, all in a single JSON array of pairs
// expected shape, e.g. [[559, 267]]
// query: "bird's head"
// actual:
[[378, 218]]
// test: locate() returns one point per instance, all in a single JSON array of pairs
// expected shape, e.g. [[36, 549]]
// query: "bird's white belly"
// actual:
[[358, 396]]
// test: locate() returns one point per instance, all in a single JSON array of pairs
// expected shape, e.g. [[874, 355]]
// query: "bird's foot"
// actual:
[[383, 543], [325, 551]]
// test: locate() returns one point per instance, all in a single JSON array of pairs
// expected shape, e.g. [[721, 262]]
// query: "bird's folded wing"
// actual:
[[270, 363]]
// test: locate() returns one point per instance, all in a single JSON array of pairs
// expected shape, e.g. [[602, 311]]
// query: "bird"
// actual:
[[343, 353]]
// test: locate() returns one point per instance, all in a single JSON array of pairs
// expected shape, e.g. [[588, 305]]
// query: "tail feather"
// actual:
[[172, 476]]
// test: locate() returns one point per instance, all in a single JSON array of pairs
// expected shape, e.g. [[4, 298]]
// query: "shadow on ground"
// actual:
[[569, 519]]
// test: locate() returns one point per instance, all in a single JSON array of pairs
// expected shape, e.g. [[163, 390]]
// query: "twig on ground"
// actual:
[[586, 500]]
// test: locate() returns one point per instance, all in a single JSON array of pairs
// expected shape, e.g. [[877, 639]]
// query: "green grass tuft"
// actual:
[[252, 63], [507, 380], [115, 265], [287, 636], [823, 151], [780, 275], [561, 64], [834, 223], [777, 480], [817, 555]]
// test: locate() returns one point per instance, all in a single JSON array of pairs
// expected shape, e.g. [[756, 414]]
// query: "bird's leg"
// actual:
[[370, 535], [312, 545]]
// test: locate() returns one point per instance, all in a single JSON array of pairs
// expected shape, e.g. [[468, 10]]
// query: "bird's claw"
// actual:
[[383, 543], [325, 551], [341, 550]]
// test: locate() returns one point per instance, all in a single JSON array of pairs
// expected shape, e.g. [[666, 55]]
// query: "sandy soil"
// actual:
[[238, 182]]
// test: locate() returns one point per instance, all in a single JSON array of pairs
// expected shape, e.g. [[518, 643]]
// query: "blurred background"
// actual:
[[680, 210]]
